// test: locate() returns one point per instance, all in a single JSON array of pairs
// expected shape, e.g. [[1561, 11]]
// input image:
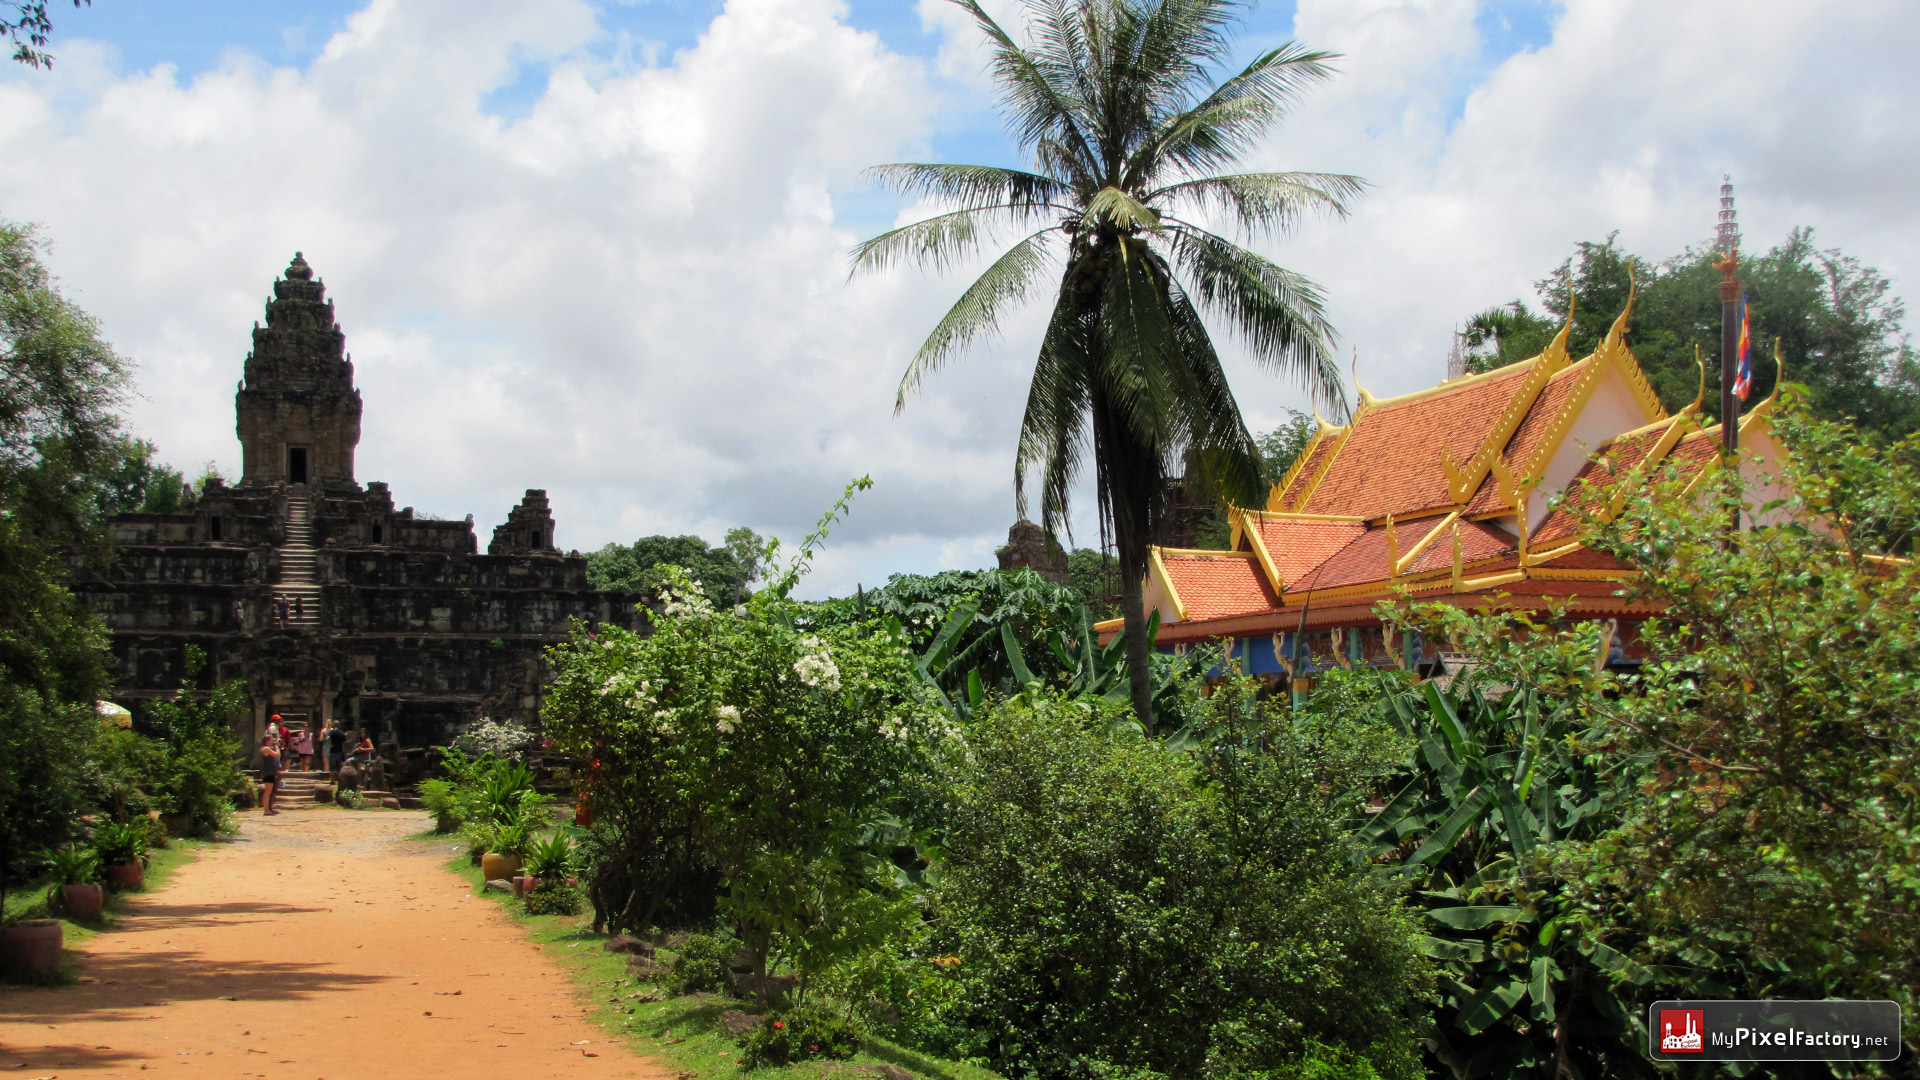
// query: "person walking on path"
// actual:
[[269, 772], [303, 745]]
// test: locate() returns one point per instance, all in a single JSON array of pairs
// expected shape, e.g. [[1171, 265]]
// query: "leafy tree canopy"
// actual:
[[1836, 319], [724, 573], [30, 28]]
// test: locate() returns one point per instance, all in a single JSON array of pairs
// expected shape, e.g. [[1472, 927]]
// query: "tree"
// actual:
[[1116, 104], [639, 566], [1835, 318], [31, 21], [59, 384]]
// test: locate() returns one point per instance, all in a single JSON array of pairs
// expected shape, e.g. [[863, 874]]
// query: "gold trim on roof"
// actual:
[[1464, 479], [1157, 565], [1424, 542], [1313, 482]]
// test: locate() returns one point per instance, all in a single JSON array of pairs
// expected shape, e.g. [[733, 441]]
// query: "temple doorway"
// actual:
[[296, 464]]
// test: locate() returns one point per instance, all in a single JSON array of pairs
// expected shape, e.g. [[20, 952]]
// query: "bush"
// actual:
[[701, 966], [438, 795], [352, 800], [552, 858], [813, 1030], [553, 896], [1111, 898], [122, 842]]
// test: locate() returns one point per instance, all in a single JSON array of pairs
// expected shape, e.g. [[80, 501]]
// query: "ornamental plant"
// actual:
[[741, 743]]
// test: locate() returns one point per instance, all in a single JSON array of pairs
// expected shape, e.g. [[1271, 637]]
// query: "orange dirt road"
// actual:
[[322, 943]]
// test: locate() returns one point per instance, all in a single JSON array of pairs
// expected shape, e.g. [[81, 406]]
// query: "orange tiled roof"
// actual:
[[1532, 432], [1390, 463], [1297, 546], [1317, 457], [1593, 487], [1479, 542], [1217, 585]]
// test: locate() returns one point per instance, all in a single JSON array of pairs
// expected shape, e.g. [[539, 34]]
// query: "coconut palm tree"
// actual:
[[1116, 104]]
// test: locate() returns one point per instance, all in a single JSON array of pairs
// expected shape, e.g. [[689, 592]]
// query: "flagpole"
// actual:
[[1729, 261]]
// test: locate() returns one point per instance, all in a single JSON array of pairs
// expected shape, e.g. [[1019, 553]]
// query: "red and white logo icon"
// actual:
[[1680, 1031]]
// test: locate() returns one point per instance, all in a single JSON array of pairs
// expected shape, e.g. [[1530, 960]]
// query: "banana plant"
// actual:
[[1495, 777]]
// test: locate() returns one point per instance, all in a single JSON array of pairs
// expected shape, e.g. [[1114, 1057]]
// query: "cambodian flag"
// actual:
[[1743, 378]]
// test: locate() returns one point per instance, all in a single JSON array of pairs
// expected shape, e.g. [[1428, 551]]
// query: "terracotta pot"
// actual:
[[497, 867], [82, 901], [524, 884], [31, 948], [126, 877]]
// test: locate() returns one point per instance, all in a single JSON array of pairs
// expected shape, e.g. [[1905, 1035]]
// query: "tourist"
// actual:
[[325, 743], [273, 729], [303, 745], [363, 753], [337, 746], [286, 752], [269, 772], [296, 608], [280, 611]]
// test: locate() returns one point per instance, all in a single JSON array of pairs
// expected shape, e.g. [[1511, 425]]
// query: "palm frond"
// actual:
[[973, 186], [1037, 106], [938, 241], [1140, 344], [1279, 313], [1231, 119], [1112, 208], [1264, 203], [1053, 428], [978, 310]]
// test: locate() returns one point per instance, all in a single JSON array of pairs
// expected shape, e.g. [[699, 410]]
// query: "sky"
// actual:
[[601, 248]]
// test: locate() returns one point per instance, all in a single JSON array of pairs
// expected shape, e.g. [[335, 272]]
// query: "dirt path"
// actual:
[[321, 943]]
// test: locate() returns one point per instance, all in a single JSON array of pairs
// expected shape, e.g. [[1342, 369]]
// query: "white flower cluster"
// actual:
[[893, 729], [725, 719], [690, 604], [638, 693], [501, 738], [815, 667]]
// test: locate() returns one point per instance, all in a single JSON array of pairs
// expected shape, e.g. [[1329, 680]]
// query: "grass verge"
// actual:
[[682, 1032], [29, 901]]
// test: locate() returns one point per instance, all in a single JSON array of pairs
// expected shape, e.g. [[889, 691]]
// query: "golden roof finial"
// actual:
[[1700, 395], [1617, 335], [1779, 371], [1555, 355], [1393, 549], [1366, 397]]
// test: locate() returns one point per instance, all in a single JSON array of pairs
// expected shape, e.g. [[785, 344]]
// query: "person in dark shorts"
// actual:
[[337, 747], [269, 772]]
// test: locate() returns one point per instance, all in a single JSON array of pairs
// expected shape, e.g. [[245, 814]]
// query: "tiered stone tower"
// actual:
[[299, 414], [393, 622]]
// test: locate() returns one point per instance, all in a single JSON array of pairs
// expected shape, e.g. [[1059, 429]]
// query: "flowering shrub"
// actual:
[[800, 1034], [732, 748], [488, 737]]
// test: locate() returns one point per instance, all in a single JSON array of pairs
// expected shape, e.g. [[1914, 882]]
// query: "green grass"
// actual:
[[29, 901], [682, 1032]]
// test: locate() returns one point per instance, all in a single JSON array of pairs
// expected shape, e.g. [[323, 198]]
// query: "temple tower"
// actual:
[[299, 415]]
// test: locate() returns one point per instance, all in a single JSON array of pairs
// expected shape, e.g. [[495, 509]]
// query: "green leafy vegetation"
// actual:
[[725, 573], [1836, 319]]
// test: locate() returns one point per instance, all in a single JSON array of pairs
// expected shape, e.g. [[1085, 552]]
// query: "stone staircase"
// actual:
[[296, 567], [300, 787]]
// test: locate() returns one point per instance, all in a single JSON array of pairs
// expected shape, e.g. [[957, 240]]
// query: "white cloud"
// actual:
[[635, 295]]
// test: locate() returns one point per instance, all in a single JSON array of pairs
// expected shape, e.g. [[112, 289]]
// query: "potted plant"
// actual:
[[506, 847], [74, 892], [120, 845], [30, 947], [547, 860], [443, 803]]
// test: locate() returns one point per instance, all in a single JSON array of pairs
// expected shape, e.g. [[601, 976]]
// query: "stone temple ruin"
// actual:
[[394, 622]]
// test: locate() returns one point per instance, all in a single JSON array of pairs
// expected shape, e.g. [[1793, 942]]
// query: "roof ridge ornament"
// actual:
[[1555, 355], [1361, 393], [1617, 334], [1700, 395]]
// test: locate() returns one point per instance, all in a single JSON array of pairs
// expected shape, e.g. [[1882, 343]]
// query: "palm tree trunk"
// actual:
[[1139, 675]]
